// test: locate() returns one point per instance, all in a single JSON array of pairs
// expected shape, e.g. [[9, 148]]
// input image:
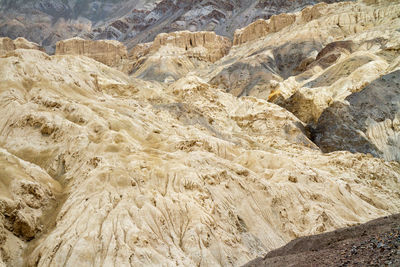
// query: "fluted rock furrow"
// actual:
[[215, 46], [7, 44], [108, 52]]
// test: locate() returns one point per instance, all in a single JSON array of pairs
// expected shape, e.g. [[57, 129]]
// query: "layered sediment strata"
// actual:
[[8, 45], [108, 52], [202, 45]]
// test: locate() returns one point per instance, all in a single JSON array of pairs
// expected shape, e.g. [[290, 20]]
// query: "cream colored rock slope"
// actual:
[[325, 55], [266, 60], [101, 169], [173, 55]]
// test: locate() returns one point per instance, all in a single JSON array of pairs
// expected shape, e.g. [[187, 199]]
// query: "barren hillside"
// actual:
[[195, 148]]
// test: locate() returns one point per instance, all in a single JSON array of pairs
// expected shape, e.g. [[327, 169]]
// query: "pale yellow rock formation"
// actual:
[[172, 55], [202, 45], [279, 57], [313, 12], [255, 30], [7, 44], [328, 54], [98, 168], [108, 52], [155, 174], [278, 22], [261, 28], [139, 51]]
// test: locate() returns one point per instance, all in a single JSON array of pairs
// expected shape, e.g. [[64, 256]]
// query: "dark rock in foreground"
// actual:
[[376, 243]]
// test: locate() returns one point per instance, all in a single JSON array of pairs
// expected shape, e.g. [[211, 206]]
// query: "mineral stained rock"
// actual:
[[8, 45], [152, 159], [108, 52], [138, 172], [173, 55], [367, 122], [131, 21]]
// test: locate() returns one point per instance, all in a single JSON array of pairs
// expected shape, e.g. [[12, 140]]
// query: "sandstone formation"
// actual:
[[7, 45], [201, 45], [107, 52], [328, 54], [173, 55], [131, 21], [146, 173], [261, 28], [152, 158], [255, 30]]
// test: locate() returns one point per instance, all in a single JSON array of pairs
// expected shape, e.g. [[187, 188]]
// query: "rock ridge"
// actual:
[[109, 52]]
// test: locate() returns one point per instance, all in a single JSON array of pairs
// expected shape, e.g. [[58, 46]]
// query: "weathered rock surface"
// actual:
[[108, 52], [27, 193], [173, 55], [175, 174], [261, 28], [284, 61], [367, 121], [201, 45], [372, 243], [165, 167], [8, 45], [132, 22], [328, 54]]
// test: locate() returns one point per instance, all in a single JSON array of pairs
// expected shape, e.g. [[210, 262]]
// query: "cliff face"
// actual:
[[326, 54], [7, 45], [369, 120], [131, 22], [121, 171], [181, 158], [261, 27], [107, 52], [173, 55], [202, 45]]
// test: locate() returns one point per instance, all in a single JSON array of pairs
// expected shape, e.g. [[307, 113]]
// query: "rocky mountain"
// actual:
[[133, 21], [193, 148], [372, 243]]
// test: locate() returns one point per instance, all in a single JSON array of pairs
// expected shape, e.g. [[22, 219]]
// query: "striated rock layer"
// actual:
[[173, 55], [327, 54], [132, 21], [215, 46], [108, 52], [8, 45], [167, 166], [119, 171]]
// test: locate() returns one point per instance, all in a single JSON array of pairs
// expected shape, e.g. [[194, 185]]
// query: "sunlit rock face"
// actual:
[[8, 45], [191, 150], [131, 22], [108, 52], [172, 56], [122, 171], [321, 58]]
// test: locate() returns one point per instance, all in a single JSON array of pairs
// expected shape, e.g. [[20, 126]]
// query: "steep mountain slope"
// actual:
[[320, 57], [134, 21], [138, 173], [154, 160]]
